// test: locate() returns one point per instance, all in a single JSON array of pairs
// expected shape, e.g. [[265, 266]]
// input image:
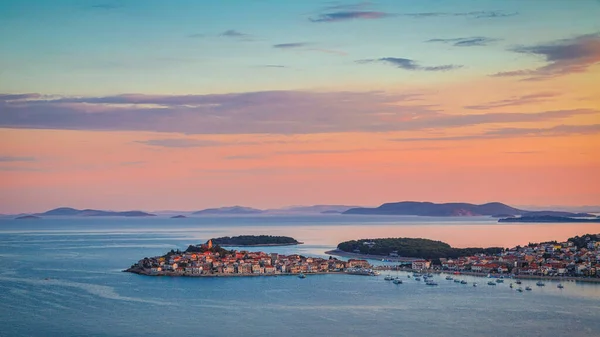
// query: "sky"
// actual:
[[189, 104]]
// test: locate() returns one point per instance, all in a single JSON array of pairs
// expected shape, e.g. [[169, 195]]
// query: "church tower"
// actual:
[[209, 244]]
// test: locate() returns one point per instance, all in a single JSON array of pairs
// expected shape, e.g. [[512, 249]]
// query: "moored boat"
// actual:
[[491, 283], [463, 282], [397, 281], [528, 288], [540, 284], [449, 278], [560, 286], [301, 275]]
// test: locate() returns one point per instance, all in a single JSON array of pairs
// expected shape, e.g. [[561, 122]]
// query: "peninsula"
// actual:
[[409, 247], [213, 261], [255, 240], [549, 219]]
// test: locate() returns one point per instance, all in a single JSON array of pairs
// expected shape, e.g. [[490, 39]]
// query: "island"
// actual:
[[211, 260], [549, 219], [413, 248], [234, 210], [68, 211], [255, 241], [179, 217], [27, 217], [432, 209]]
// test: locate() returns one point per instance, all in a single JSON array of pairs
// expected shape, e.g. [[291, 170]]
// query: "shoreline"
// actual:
[[342, 253], [171, 274]]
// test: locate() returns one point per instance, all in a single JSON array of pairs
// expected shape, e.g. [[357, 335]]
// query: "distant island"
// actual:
[[26, 217], [234, 210], [558, 214], [178, 217], [255, 240], [67, 211], [432, 209], [493, 209], [410, 247], [548, 219]]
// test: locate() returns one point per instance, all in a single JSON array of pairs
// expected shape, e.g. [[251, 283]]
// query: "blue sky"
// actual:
[[96, 47]]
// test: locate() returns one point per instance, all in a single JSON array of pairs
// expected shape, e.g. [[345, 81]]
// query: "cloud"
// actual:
[[556, 131], [290, 45], [408, 64], [516, 101], [349, 15], [474, 41], [473, 14], [562, 57], [5, 159], [17, 97], [266, 112], [233, 33], [180, 142], [355, 6]]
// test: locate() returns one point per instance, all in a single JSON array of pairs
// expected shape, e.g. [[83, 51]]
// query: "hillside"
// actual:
[[432, 209], [549, 219], [67, 211]]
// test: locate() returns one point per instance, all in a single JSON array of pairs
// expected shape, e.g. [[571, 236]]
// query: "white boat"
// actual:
[[499, 280], [491, 283], [474, 284], [388, 278], [456, 281], [431, 283], [449, 278], [540, 284], [520, 290], [511, 285], [463, 282], [417, 279], [301, 275], [397, 281], [528, 288], [560, 286], [519, 282]]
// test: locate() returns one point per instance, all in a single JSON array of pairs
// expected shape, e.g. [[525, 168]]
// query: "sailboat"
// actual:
[[301, 275]]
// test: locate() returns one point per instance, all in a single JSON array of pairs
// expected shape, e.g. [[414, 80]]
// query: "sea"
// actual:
[[63, 277]]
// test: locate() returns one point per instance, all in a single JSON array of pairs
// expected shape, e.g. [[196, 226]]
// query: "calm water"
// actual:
[[87, 295]]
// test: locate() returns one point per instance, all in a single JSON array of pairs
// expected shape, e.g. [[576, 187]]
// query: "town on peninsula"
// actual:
[[576, 258]]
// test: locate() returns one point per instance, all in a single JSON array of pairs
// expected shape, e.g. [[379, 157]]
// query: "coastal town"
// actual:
[[212, 260], [576, 257]]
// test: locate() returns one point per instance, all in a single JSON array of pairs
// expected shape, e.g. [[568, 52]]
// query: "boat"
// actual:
[[397, 281], [417, 275], [301, 275], [491, 283], [388, 278], [429, 275], [520, 290], [540, 284], [449, 278], [417, 279], [456, 281], [499, 280], [474, 284], [519, 282], [511, 286], [463, 282], [431, 283], [560, 286], [407, 276], [528, 288]]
